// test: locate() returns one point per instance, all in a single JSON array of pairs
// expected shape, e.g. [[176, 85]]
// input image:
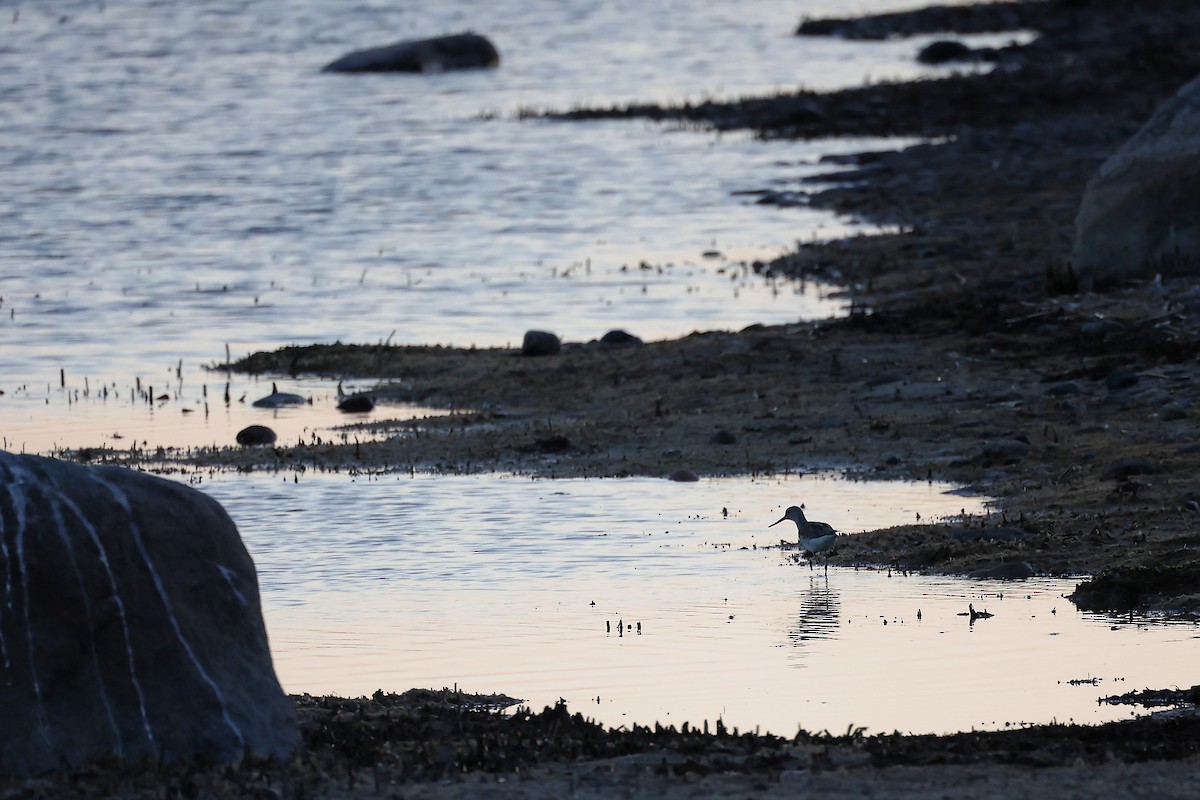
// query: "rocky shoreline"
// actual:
[[969, 359]]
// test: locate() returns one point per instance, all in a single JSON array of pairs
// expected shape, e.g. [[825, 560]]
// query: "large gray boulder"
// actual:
[[1140, 212], [439, 54], [130, 624]]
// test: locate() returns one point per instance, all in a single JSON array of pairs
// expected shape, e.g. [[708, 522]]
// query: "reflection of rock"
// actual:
[[130, 624], [439, 54]]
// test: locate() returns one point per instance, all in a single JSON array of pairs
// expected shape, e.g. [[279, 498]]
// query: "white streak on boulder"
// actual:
[[130, 624]]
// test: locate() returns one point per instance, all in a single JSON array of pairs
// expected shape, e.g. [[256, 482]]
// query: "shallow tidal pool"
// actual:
[[643, 601]]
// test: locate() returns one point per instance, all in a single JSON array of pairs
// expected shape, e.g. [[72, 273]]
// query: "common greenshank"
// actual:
[[815, 537]]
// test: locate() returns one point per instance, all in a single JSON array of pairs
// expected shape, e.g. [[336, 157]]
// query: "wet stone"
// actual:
[[278, 399], [253, 435], [437, 54]]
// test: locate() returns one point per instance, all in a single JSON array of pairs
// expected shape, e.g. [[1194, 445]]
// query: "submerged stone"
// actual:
[[130, 625]]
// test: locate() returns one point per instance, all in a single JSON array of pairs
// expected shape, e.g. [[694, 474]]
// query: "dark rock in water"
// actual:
[[1139, 212], [619, 338], [1120, 379], [684, 476], [1010, 571], [278, 399], [723, 437], [943, 51], [782, 199], [131, 625], [1128, 467], [999, 534], [357, 404], [540, 343], [438, 54], [255, 435]]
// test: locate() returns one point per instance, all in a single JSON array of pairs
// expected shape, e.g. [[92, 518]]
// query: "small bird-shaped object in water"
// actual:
[[974, 615], [815, 537]]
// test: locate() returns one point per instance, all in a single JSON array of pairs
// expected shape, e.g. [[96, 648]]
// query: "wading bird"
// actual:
[[815, 537]]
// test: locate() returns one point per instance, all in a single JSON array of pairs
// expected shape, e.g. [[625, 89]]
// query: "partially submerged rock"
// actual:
[[130, 626], [278, 399], [438, 54]]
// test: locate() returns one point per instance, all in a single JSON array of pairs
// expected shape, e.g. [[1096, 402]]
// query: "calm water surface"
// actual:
[[181, 177], [513, 585]]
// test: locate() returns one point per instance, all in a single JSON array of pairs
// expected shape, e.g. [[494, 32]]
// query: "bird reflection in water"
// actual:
[[819, 609]]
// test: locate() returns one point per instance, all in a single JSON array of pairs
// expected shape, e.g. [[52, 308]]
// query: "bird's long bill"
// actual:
[[776, 522]]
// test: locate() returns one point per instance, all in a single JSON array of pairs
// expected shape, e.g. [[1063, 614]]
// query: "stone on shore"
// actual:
[[618, 338], [1007, 571], [1139, 213], [944, 51], [356, 404], [253, 435], [540, 343], [278, 399], [437, 54], [131, 626]]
